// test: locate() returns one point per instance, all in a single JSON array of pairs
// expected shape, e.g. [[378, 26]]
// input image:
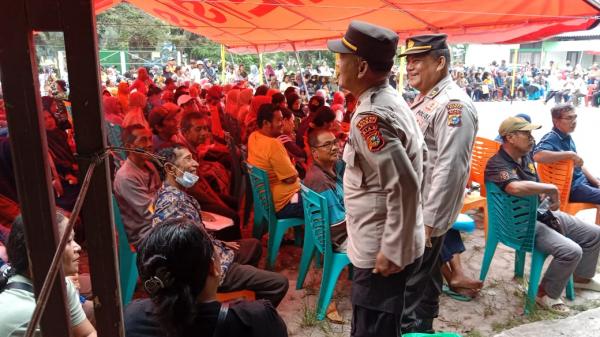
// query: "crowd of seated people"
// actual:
[[174, 189]]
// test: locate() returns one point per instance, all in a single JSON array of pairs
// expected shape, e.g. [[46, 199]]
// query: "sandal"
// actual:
[[554, 305], [455, 295], [593, 285]]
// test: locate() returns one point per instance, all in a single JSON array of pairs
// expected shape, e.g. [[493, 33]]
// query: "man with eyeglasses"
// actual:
[[573, 243], [558, 145], [325, 176]]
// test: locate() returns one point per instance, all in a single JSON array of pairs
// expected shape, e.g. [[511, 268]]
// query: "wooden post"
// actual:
[[79, 23], [30, 156], [514, 74]]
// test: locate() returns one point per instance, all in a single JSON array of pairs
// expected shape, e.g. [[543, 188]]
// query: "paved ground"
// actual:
[[500, 306]]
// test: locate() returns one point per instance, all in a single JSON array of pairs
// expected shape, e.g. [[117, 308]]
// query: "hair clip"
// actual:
[[153, 285]]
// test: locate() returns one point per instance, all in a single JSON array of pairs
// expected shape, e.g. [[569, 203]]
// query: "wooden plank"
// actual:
[[44, 15], [79, 27], [30, 157]]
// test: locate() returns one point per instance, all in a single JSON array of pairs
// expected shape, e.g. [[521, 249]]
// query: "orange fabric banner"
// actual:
[[258, 26]]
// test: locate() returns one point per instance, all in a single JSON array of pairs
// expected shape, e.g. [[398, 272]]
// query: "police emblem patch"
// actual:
[[369, 130], [504, 175], [531, 167], [454, 110]]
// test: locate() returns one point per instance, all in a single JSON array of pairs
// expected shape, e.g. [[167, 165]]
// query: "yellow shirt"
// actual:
[[270, 155]]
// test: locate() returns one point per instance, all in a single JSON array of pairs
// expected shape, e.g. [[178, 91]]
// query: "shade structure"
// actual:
[[251, 26]]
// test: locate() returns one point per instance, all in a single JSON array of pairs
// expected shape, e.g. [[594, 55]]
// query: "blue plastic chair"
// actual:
[[512, 222], [128, 272], [264, 213], [317, 237], [464, 223]]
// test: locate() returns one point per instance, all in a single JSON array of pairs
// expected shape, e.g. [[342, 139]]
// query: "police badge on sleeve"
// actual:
[[369, 130], [455, 110]]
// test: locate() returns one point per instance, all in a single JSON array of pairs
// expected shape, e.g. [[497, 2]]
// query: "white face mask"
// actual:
[[187, 179]]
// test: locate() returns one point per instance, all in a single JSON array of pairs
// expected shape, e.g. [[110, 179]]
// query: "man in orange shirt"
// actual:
[[269, 154]]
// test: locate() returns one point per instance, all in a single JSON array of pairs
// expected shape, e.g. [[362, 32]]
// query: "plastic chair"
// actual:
[[317, 237], [561, 174], [247, 295], [264, 212], [483, 150], [128, 273], [512, 222]]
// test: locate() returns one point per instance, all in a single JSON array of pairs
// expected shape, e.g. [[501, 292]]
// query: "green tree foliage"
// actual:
[[126, 27]]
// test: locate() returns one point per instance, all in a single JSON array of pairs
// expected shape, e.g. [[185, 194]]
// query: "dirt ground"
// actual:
[[498, 308]]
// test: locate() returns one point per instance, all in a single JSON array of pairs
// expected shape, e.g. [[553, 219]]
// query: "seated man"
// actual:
[[573, 243], [136, 184], [238, 259], [325, 176], [268, 154], [164, 125], [558, 145], [214, 181]]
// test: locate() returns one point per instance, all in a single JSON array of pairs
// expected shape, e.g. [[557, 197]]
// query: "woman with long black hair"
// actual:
[[180, 271]]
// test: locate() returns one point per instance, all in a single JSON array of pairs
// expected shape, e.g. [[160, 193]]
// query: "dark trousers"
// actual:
[[585, 193], [453, 244], [378, 302], [423, 288], [292, 210], [244, 275]]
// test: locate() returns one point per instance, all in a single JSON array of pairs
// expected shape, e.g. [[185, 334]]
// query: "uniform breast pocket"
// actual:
[[353, 173]]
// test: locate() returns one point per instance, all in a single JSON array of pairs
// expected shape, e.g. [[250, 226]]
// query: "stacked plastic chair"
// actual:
[[483, 150], [512, 222], [561, 175], [264, 213], [317, 239]]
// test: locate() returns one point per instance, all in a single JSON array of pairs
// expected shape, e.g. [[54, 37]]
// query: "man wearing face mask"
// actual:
[[238, 259]]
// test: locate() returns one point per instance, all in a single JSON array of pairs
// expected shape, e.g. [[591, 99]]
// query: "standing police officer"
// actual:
[[384, 159], [448, 121]]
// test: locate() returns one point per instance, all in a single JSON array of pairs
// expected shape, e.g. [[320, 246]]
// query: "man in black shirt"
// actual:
[[574, 244]]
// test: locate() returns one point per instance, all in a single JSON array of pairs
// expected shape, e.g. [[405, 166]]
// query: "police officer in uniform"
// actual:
[[448, 120], [384, 158]]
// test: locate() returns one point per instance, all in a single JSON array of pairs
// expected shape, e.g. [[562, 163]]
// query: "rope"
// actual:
[[96, 159]]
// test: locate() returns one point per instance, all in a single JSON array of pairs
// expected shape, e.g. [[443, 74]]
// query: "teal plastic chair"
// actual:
[[264, 213], [464, 223], [128, 273], [512, 222], [317, 238]]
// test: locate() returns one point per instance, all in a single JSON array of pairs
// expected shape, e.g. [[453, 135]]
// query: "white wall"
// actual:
[[484, 54]]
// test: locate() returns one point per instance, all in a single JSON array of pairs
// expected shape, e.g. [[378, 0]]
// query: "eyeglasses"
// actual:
[[328, 144], [569, 118]]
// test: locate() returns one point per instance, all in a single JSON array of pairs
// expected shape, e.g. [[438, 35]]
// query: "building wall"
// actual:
[[482, 55]]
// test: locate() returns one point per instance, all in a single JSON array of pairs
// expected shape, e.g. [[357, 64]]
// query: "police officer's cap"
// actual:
[[375, 44], [425, 43]]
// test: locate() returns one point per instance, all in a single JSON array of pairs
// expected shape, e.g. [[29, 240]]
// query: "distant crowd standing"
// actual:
[[563, 83], [393, 177]]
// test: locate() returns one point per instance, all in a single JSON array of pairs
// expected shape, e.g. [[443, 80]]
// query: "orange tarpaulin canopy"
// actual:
[[251, 26]]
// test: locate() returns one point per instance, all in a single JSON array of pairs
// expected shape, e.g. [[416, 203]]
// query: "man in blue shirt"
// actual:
[[325, 176], [558, 145]]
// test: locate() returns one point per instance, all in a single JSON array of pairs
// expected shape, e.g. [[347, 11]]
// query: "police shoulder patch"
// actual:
[[504, 175], [369, 130], [455, 110]]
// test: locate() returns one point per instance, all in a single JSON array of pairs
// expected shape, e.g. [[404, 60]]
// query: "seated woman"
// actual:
[[16, 290], [181, 272]]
